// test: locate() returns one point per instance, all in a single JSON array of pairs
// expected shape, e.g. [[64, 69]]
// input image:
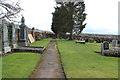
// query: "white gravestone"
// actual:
[[114, 43], [6, 47]]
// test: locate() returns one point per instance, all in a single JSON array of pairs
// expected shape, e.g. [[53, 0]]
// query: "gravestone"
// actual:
[[14, 41], [114, 43], [104, 47], [23, 40], [31, 39], [5, 41]]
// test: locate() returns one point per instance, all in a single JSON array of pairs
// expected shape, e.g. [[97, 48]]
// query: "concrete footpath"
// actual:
[[49, 65]]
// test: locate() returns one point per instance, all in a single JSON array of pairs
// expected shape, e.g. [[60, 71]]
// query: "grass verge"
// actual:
[[81, 61], [20, 65], [42, 43]]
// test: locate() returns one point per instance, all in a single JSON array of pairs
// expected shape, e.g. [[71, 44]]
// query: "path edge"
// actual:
[[60, 60], [39, 61]]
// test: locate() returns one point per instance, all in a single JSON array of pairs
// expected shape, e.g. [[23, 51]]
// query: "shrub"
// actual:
[[90, 40]]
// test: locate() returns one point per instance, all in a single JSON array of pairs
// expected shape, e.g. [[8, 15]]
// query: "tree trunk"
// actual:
[[71, 37]]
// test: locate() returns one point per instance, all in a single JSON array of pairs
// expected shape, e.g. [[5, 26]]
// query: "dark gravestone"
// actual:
[[105, 45], [86, 40], [118, 41], [23, 40]]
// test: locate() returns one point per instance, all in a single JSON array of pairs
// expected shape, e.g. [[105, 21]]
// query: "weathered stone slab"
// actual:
[[6, 47], [114, 43], [31, 39], [14, 41]]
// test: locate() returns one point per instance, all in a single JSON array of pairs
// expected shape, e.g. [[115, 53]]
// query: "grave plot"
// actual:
[[114, 51], [29, 49], [80, 42]]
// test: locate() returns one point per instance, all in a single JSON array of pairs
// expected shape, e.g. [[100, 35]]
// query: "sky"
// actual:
[[102, 15]]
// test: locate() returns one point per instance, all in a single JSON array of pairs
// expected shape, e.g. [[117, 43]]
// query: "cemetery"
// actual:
[[62, 53], [19, 43], [71, 54]]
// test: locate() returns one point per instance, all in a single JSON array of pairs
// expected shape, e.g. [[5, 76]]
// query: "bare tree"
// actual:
[[9, 9]]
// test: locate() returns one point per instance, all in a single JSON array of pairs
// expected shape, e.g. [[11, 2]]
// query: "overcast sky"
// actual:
[[102, 15]]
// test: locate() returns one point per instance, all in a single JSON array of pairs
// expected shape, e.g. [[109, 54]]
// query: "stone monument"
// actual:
[[14, 41], [104, 47], [5, 41], [23, 40], [114, 43]]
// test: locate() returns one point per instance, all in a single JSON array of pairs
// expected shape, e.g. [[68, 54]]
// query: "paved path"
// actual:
[[49, 65]]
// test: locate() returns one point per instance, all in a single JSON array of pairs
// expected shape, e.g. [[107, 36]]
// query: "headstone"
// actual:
[[105, 45], [31, 39], [114, 43], [14, 41], [23, 40], [6, 47]]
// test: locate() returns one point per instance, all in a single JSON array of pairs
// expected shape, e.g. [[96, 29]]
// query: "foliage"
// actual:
[[69, 17], [90, 40], [81, 61], [59, 21]]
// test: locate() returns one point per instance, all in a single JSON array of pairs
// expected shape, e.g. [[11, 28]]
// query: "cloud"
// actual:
[[102, 15]]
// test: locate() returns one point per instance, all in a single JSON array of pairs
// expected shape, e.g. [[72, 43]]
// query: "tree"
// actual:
[[79, 18], [71, 17], [59, 21], [9, 9]]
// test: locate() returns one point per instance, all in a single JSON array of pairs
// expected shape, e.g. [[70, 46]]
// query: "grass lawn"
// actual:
[[80, 61], [42, 43], [20, 65], [0, 68]]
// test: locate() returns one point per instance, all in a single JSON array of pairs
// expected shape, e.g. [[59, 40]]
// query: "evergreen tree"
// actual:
[[69, 17]]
